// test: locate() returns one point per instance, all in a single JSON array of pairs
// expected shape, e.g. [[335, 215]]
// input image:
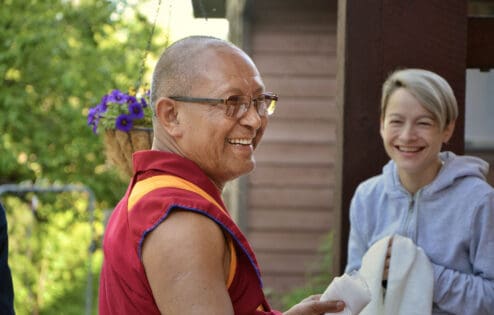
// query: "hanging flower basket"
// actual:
[[125, 119], [120, 145]]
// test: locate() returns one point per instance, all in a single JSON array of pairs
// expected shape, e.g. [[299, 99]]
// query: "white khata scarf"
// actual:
[[410, 280]]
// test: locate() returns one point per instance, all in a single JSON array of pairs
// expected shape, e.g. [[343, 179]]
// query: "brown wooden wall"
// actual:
[[305, 177], [290, 202], [292, 195], [377, 37]]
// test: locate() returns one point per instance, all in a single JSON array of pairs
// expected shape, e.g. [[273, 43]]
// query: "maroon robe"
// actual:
[[163, 182]]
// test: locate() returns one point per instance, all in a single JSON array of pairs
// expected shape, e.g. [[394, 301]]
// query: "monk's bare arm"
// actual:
[[184, 259]]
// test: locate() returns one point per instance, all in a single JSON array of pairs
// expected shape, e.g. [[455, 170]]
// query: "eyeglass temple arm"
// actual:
[[197, 99]]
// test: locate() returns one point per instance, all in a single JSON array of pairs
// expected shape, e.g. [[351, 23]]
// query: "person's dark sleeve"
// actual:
[[6, 288]]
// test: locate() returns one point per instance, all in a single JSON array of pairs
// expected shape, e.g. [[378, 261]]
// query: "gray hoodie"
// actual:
[[451, 219]]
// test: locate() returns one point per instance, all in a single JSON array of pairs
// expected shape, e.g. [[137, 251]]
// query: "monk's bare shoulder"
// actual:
[[184, 263]]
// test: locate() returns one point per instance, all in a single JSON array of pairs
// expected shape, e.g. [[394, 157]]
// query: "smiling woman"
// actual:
[[420, 195], [412, 137]]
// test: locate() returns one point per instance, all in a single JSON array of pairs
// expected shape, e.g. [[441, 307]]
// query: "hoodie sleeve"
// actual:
[[462, 293], [356, 242]]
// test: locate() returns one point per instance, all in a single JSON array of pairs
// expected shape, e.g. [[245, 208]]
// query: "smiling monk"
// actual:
[[171, 246]]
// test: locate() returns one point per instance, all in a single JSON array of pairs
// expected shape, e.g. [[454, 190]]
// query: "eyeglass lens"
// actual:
[[238, 105]]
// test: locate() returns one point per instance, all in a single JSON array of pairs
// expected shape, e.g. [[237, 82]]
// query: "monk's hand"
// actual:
[[314, 306]]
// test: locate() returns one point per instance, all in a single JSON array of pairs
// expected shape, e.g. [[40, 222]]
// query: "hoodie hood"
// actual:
[[454, 168]]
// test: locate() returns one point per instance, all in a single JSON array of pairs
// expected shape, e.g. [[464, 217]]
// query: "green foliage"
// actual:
[[317, 281], [57, 59], [50, 266]]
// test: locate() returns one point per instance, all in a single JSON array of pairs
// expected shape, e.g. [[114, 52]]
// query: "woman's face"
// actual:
[[412, 136]]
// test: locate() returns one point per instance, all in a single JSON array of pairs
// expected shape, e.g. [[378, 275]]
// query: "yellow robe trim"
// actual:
[[147, 185]]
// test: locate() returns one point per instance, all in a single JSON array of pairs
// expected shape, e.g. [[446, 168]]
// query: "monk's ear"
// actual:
[[167, 115]]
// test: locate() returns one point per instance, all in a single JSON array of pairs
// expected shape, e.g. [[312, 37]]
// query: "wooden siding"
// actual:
[[374, 39], [290, 200]]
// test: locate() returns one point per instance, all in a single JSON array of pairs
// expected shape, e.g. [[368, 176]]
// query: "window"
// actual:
[[479, 110]]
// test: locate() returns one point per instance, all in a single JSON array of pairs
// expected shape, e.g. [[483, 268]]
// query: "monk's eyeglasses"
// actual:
[[237, 105]]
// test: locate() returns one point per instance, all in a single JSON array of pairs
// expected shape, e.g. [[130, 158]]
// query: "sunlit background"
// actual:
[[58, 58], [177, 16]]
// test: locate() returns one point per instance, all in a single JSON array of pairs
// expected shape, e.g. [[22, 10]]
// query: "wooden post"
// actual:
[[480, 45], [374, 38]]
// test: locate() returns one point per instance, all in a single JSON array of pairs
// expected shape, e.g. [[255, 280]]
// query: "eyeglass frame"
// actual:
[[214, 101]]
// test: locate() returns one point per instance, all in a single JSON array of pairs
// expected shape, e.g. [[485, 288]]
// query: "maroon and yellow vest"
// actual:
[[124, 288]]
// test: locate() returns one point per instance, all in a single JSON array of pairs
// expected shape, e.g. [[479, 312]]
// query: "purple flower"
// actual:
[[117, 97], [118, 110], [144, 104], [131, 99], [103, 105], [92, 115], [95, 126], [124, 123], [135, 111]]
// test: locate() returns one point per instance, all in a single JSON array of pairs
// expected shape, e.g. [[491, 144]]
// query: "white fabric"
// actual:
[[350, 288], [410, 278]]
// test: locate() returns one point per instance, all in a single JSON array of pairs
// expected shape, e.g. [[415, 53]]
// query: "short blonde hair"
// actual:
[[430, 89]]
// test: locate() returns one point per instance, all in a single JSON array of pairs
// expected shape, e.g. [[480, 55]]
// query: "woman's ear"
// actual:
[[166, 112], [448, 131], [381, 126]]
